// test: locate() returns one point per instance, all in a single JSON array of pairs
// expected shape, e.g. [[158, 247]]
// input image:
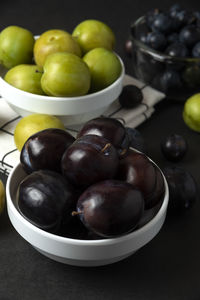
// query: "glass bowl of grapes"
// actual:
[[165, 49], [89, 199]]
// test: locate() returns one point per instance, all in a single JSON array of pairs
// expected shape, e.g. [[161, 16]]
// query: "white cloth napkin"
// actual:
[[9, 155]]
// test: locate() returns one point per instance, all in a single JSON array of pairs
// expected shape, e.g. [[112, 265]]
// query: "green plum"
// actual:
[[52, 41], [65, 75], [92, 34], [33, 123], [191, 112], [104, 66], [26, 78], [16, 46]]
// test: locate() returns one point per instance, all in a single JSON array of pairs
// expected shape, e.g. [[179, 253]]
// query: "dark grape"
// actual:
[[177, 49], [162, 23], [189, 35], [150, 16], [156, 40]]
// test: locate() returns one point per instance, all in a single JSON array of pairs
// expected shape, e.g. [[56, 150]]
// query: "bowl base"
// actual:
[[84, 263]]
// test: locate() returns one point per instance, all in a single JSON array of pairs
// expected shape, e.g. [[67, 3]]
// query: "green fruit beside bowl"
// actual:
[[191, 112]]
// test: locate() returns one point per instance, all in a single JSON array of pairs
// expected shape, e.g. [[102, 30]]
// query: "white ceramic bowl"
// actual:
[[80, 252], [71, 110]]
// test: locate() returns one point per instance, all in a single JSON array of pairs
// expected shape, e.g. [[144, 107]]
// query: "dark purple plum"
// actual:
[[131, 96], [174, 147], [44, 198], [183, 191], [44, 150], [89, 159], [136, 169], [110, 208], [111, 129]]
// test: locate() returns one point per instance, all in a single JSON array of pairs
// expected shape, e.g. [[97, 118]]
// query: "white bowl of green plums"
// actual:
[[61, 74]]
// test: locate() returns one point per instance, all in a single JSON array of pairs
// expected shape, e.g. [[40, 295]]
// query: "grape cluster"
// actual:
[[174, 37], [175, 32]]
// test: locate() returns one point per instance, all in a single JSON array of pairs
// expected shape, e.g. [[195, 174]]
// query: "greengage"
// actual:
[[92, 34], [26, 77], [65, 75], [52, 41], [16, 46]]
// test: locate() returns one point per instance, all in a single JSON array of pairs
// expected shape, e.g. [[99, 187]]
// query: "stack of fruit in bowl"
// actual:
[[53, 72], [91, 188], [166, 50]]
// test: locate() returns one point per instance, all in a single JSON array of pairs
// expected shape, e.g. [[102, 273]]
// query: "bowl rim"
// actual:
[[155, 53], [81, 242], [76, 98]]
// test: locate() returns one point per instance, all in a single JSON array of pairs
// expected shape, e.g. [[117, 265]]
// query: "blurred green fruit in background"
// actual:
[[191, 112]]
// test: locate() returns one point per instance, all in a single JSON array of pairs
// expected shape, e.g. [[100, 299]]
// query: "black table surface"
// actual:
[[166, 268]]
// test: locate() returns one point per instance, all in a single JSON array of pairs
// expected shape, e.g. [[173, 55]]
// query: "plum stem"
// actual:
[[106, 147], [76, 213], [123, 152]]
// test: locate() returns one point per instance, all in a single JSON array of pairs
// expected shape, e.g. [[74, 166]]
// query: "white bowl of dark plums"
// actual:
[[88, 200]]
